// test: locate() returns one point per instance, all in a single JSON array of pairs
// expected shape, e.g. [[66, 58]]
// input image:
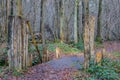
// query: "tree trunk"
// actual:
[[41, 15], [19, 7], [11, 9], [34, 17], [7, 14], [18, 56], [91, 36], [17, 43], [86, 34], [98, 37], [56, 21], [75, 21], [44, 47], [42, 22], [61, 20]]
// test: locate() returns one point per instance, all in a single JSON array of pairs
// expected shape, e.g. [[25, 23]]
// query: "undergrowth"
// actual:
[[64, 47], [106, 71], [51, 47], [78, 45], [3, 57], [109, 70], [117, 54]]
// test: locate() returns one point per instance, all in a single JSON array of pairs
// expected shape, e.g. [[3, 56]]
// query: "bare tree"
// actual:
[[86, 34], [44, 47], [41, 15], [56, 20], [7, 14], [99, 21], [34, 11], [61, 3], [75, 21], [42, 22], [18, 56], [19, 7]]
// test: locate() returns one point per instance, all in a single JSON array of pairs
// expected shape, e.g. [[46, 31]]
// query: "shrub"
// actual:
[[78, 45], [106, 71], [3, 57]]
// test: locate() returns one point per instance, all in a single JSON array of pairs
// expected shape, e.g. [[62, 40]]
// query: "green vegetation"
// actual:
[[51, 47], [3, 57], [98, 44], [105, 72], [113, 54], [64, 47], [78, 45], [16, 73], [117, 54], [109, 70], [98, 39]]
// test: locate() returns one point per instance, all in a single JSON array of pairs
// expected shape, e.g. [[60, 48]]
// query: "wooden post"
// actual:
[[18, 56]]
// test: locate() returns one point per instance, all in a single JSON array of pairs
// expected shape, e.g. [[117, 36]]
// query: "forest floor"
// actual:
[[64, 68]]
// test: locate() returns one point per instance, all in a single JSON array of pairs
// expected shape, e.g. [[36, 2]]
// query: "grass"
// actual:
[[117, 54], [64, 47], [79, 45], [51, 47], [113, 55], [16, 73], [98, 44]]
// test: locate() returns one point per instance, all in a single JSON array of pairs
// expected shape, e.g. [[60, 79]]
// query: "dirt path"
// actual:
[[67, 61], [111, 46], [59, 69]]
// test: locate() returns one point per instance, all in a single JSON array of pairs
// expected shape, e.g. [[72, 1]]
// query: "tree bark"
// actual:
[[34, 12], [44, 47], [61, 20], [99, 22], [11, 9], [91, 36], [42, 23], [56, 21], [86, 34], [19, 7], [75, 22], [17, 43], [41, 15], [7, 14]]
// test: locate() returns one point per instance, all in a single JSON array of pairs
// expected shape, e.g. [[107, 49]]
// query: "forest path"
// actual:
[[112, 46], [76, 59], [62, 68], [67, 61], [58, 69]]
